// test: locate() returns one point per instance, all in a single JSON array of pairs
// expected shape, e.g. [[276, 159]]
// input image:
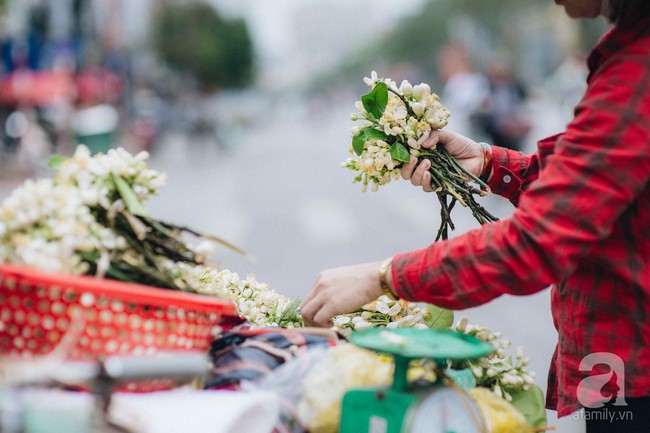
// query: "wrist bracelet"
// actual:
[[486, 170], [383, 283]]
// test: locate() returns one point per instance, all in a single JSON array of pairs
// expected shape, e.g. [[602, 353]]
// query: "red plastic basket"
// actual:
[[97, 317]]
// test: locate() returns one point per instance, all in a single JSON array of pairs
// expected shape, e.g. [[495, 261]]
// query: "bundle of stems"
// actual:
[[152, 243], [452, 184]]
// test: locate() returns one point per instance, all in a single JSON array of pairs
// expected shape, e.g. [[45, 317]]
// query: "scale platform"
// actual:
[[410, 408]]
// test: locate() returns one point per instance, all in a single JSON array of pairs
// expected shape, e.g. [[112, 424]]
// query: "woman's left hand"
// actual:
[[339, 291]]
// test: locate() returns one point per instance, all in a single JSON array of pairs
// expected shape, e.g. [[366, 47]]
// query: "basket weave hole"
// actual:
[[19, 316], [105, 316], [102, 303], [26, 332], [43, 306], [55, 293], [135, 321], [28, 303], [121, 319], [9, 283], [117, 306], [87, 299], [148, 339], [70, 296], [48, 322], [53, 336], [33, 318], [107, 332], [91, 330], [160, 325], [13, 329], [74, 311], [111, 346], [148, 325], [57, 308], [62, 323], [19, 342], [14, 301]]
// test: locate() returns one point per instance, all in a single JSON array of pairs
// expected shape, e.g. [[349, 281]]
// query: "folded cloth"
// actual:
[[188, 410], [249, 354]]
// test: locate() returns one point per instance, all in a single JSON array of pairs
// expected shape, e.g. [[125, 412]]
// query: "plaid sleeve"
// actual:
[[594, 173]]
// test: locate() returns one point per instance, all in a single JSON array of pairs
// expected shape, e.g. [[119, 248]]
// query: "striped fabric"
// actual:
[[582, 224]]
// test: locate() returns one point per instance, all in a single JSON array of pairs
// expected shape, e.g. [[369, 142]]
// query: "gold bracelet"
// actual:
[[383, 283]]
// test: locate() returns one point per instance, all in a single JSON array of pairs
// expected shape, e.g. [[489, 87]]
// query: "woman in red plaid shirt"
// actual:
[[582, 223]]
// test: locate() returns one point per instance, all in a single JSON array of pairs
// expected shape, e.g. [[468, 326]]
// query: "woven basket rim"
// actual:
[[120, 289]]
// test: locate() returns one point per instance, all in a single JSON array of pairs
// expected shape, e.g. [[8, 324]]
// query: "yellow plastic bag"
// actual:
[[499, 415]]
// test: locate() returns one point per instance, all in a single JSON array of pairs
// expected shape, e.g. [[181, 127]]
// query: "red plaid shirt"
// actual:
[[582, 223]]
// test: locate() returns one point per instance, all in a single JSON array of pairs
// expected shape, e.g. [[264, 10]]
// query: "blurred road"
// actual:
[[281, 195]]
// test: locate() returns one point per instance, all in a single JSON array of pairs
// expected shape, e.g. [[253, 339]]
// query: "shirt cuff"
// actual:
[[504, 181]]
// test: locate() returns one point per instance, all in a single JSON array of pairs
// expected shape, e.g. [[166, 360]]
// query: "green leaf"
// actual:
[[531, 404], [129, 197], [291, 310], [375, 102], [439, 318], [372, 133], [357, 142], [55, 161], [399, 152], [367, 133]]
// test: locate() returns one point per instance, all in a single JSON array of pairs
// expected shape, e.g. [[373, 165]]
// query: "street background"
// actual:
[[252, 142]]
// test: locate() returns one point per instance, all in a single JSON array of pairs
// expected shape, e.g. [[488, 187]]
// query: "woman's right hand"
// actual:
[[466, 151]]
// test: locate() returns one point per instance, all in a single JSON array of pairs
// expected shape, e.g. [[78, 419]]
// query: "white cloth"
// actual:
[[187, 410]]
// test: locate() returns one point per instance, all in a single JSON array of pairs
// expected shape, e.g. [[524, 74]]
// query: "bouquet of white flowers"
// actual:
[[396, 121]]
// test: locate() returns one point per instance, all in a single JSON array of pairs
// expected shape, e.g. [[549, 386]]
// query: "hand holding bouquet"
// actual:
[[396, 122]]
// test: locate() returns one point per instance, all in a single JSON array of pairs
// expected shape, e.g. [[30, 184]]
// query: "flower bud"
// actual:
[[406, 88], [462, 324], [418, 108], [362, 325], [520, 352], [421, 91]]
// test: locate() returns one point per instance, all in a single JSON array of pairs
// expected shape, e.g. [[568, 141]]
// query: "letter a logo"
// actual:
[[589, 388]]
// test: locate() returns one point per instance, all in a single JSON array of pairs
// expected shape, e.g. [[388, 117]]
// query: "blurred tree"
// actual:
[[193, 38], [493, 27]]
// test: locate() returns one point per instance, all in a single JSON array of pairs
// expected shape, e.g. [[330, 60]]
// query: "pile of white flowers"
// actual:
[[255, 301], [382, 312], [499, 371], [388, 137], [44, 225]]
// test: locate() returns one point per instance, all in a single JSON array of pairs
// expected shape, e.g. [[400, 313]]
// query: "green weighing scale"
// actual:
[[412, 408]]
